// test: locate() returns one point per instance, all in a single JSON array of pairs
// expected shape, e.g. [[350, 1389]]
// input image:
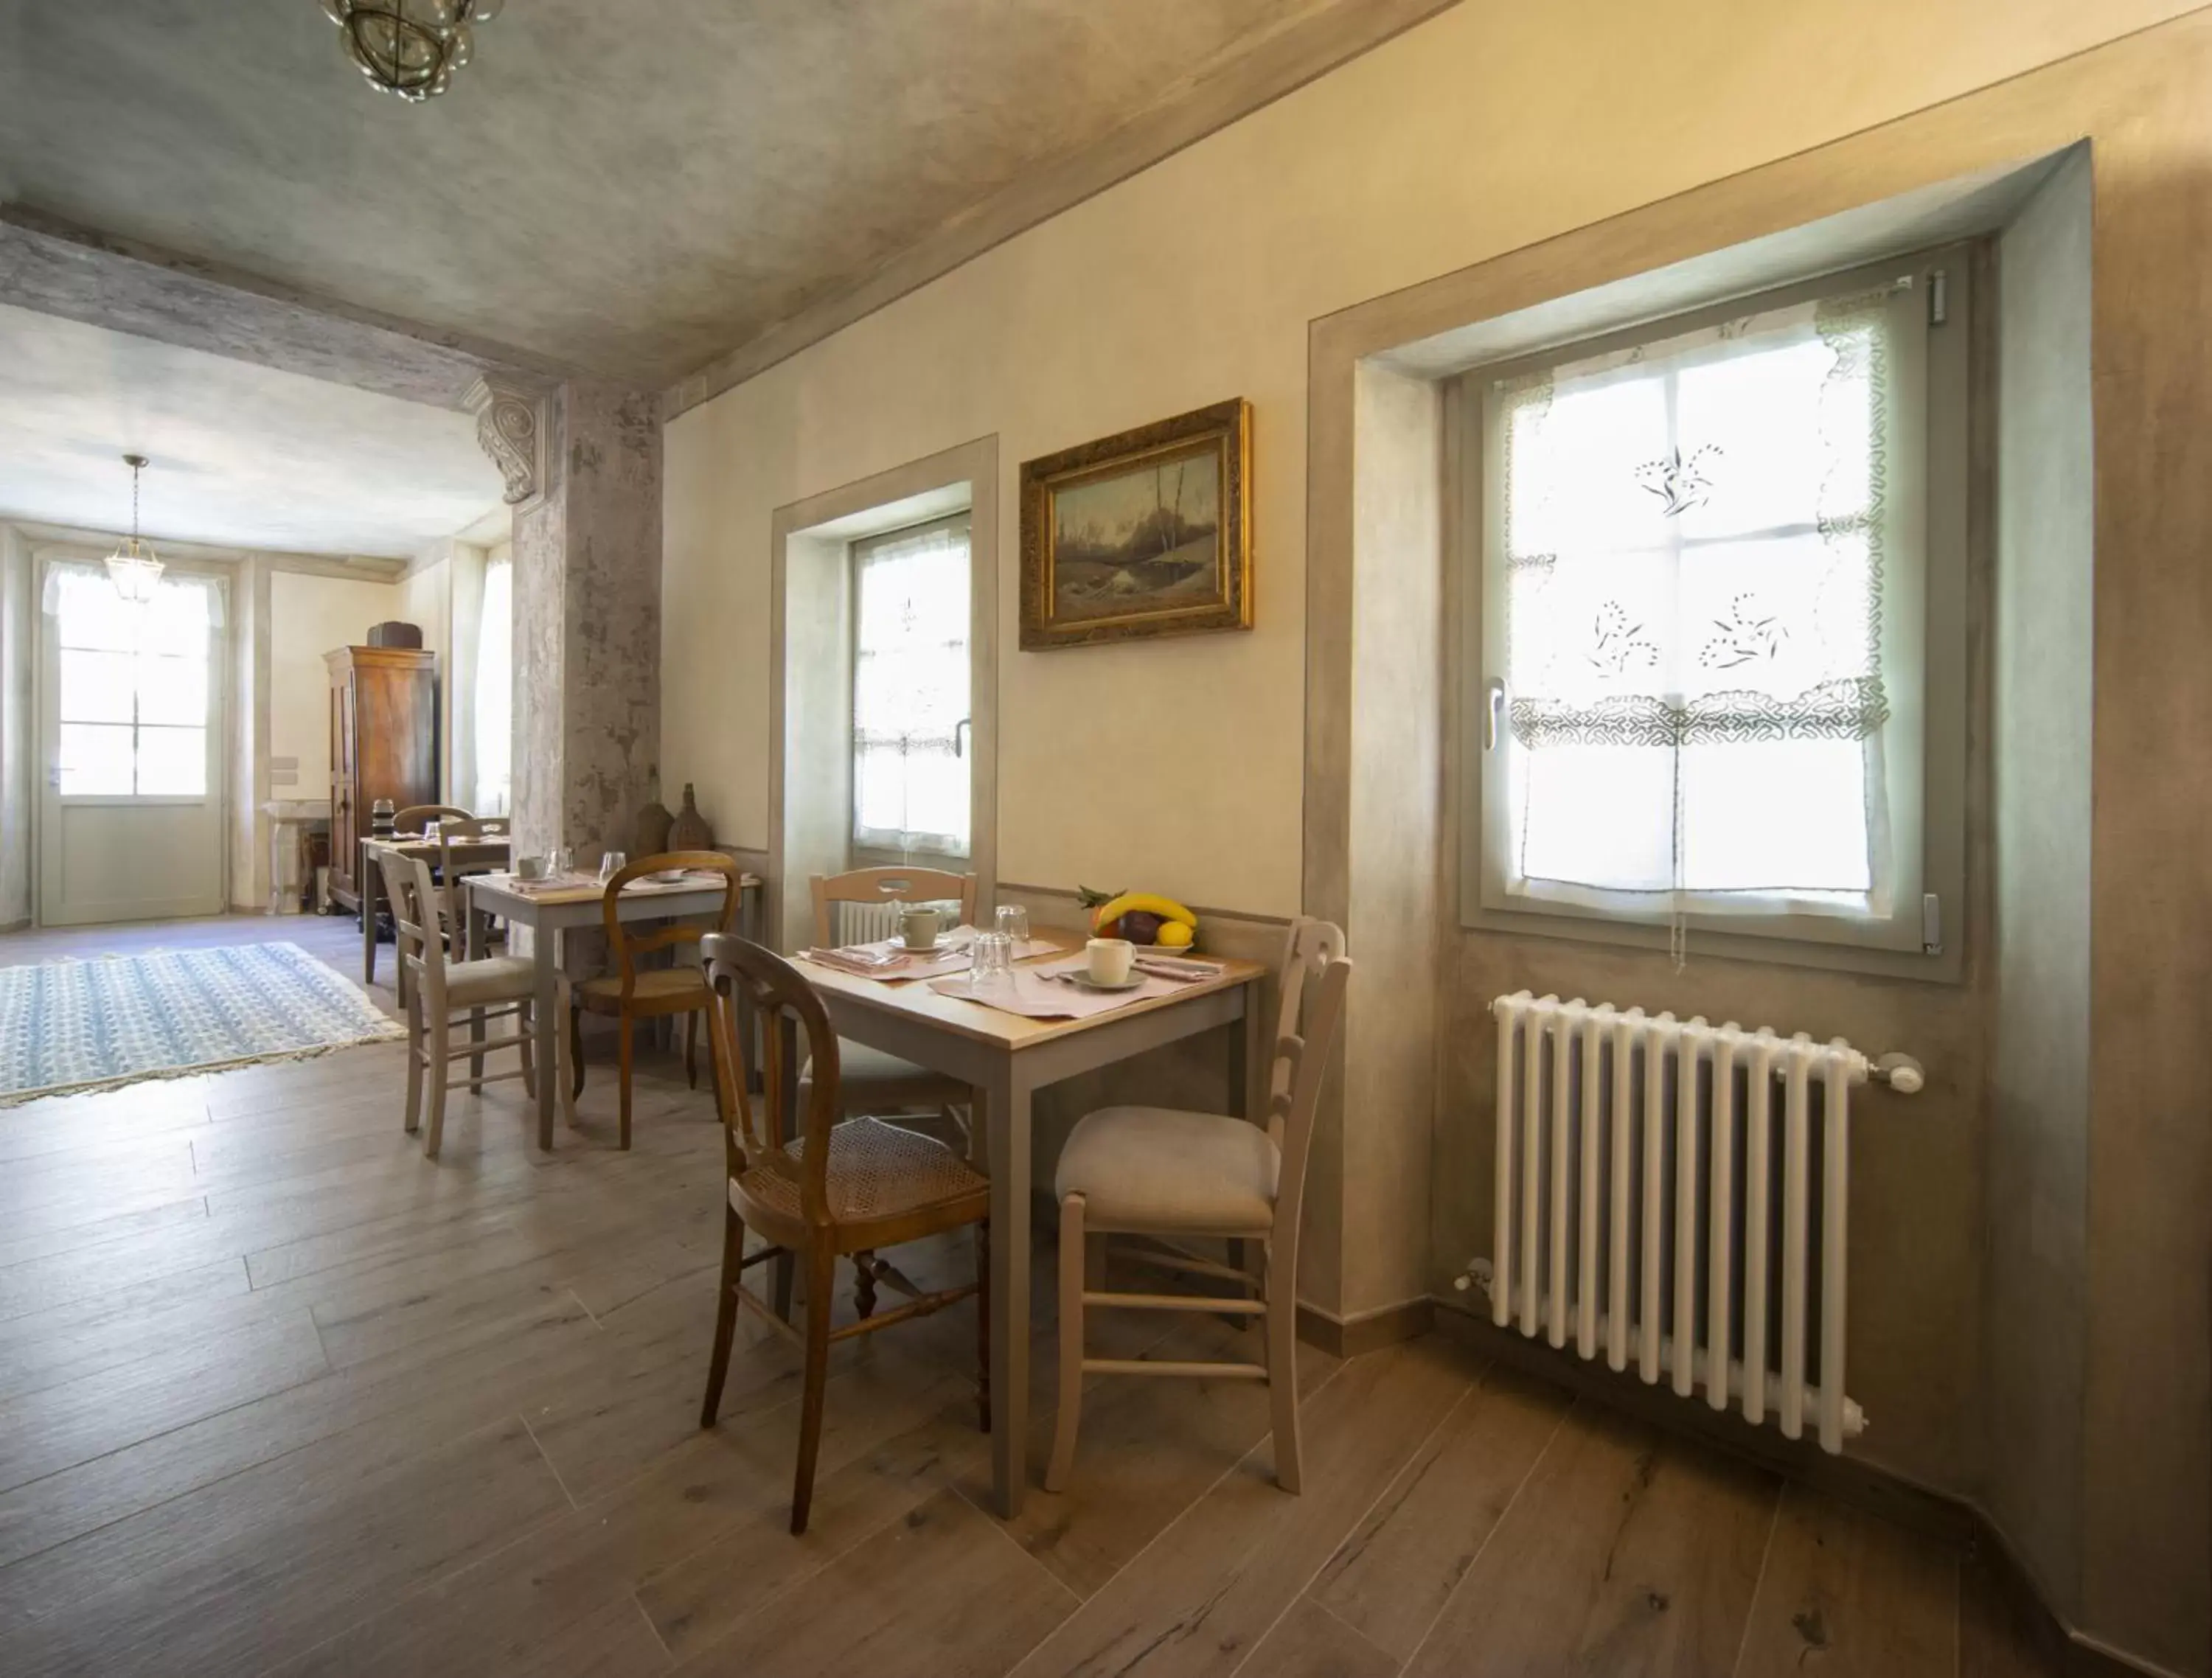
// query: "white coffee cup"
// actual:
[[918, 928], [1107, 960]]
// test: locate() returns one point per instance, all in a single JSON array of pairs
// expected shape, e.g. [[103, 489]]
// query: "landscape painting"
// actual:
[[1147, 533]]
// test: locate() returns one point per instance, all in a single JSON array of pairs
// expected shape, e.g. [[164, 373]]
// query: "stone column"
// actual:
[[582, 463]]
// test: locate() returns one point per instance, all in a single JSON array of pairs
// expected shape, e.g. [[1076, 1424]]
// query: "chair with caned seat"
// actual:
[[817, 1186], [1171, 1176], [438, 987], [634, 992]]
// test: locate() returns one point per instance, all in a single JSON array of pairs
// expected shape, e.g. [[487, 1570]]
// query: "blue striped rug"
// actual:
[[79, 1024]]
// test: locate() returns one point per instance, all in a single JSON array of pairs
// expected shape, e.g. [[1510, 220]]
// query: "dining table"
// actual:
[[1006, 1059], [374, 849], [550, 908]]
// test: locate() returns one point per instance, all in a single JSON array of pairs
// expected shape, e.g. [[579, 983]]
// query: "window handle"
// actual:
[[1494, 715], [959, 735]]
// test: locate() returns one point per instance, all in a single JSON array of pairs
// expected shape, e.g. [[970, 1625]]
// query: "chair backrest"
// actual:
[[477, 839], [629, 941], [888, 885], [415, 903], [1315, 971], [794, 1027], [413, 819]]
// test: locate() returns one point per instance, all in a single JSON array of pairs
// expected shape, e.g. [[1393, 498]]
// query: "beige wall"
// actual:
[[1479, 134], [17, 787], [1479, 131], [308, 616]]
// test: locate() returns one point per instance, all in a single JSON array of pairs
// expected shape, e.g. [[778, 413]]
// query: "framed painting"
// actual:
[[1145, 534]]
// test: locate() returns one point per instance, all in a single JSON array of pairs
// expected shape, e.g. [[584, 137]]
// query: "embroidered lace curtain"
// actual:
[[1692, 541], [910, 688], [493, 699]]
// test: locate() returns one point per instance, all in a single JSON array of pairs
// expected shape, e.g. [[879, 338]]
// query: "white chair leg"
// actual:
[[1283, 1370], [524, 1017], [1073, 1251]]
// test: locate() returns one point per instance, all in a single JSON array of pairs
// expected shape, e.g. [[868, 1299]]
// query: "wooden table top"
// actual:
[[503, 885], [985, 1024], [417, 846]]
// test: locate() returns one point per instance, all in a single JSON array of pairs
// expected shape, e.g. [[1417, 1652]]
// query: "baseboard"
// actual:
[[1367, 1331], [1941, 1515], [23, 926]]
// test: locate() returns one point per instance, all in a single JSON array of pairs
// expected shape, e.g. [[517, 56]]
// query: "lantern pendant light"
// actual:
[[133, 568]]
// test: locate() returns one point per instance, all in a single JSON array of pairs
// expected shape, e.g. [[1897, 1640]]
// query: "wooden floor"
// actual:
[[278, 1396]]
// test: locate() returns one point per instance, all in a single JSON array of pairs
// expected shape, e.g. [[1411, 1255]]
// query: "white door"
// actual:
[[130, 720]]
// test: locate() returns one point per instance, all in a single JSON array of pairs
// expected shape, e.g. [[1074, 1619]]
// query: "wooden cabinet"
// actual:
[[384, 744]]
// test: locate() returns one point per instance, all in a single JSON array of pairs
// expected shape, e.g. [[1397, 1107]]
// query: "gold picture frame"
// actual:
[[1145, 533]]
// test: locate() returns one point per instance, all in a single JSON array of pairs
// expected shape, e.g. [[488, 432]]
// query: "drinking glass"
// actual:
[[991, 964], [611, 864], [1014, 921], [562, 860]]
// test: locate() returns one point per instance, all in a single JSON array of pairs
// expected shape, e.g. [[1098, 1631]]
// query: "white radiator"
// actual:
[[1678, 1194], [869, 923]]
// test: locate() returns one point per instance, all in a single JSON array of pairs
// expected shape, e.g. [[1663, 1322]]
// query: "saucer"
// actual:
[[943, 946], [1084, 981]]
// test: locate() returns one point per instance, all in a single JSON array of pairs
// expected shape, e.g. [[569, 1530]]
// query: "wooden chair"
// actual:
[[1164, 1174], [438, 987], [416, 817], [632, 992], [464, 834], [872, 1081], [836, 1189]]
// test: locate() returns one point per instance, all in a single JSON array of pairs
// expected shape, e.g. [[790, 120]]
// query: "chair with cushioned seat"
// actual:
[[1171, 1175], [839, 1188], [438, 987], [632, 992]]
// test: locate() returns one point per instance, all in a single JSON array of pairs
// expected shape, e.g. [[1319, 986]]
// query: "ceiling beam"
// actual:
[[56, 268], [1279, 65]]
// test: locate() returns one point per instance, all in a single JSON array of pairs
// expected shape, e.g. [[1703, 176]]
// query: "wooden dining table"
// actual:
[[1006, 1059], [549, 912], [373, 850]]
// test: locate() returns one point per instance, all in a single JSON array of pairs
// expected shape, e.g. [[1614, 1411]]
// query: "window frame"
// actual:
[[1928, 838], [52, 652], [864, 849]]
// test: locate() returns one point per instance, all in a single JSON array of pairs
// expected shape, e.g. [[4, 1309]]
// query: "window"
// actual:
[[131, 680], [910, 687], [1708, 548], [493, 700]]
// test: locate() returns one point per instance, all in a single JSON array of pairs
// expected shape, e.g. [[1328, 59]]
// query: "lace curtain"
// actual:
[[1693, 534], [910, 689], [493, 699]]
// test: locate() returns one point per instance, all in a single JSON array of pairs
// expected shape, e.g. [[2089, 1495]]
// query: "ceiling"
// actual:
[[242, 456], [630, 188]]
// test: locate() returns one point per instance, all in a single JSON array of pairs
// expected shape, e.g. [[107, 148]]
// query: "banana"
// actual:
[[1166, 907]]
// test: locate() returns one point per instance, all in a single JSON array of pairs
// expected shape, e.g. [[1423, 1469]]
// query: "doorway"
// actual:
[[130, 707]]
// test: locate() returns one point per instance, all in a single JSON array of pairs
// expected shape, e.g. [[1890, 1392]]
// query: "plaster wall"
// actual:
[[308, 616]]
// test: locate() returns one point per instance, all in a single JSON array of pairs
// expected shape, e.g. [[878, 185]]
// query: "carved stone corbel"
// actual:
[[511, 428]]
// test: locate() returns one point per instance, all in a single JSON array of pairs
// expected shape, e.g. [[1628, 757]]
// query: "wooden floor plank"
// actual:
[[1212, 1585], [1392, 1577], [1847, 1594], [1624, 1553], [1310, 1642], [939, 1593]]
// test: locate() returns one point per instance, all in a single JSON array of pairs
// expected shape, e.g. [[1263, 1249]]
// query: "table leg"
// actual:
[[470, 929], [1006, 1115], [371, 877], [546, 1026]]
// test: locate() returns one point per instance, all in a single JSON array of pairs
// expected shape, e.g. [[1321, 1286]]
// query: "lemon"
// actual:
[[1174, 935]]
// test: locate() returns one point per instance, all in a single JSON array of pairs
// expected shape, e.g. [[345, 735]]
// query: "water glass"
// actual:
[[991, 964], [611, 864], [1014, 921], [562, 860]]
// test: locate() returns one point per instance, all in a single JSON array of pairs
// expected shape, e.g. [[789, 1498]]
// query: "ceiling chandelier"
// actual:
[[410, 48], [133, 568]]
